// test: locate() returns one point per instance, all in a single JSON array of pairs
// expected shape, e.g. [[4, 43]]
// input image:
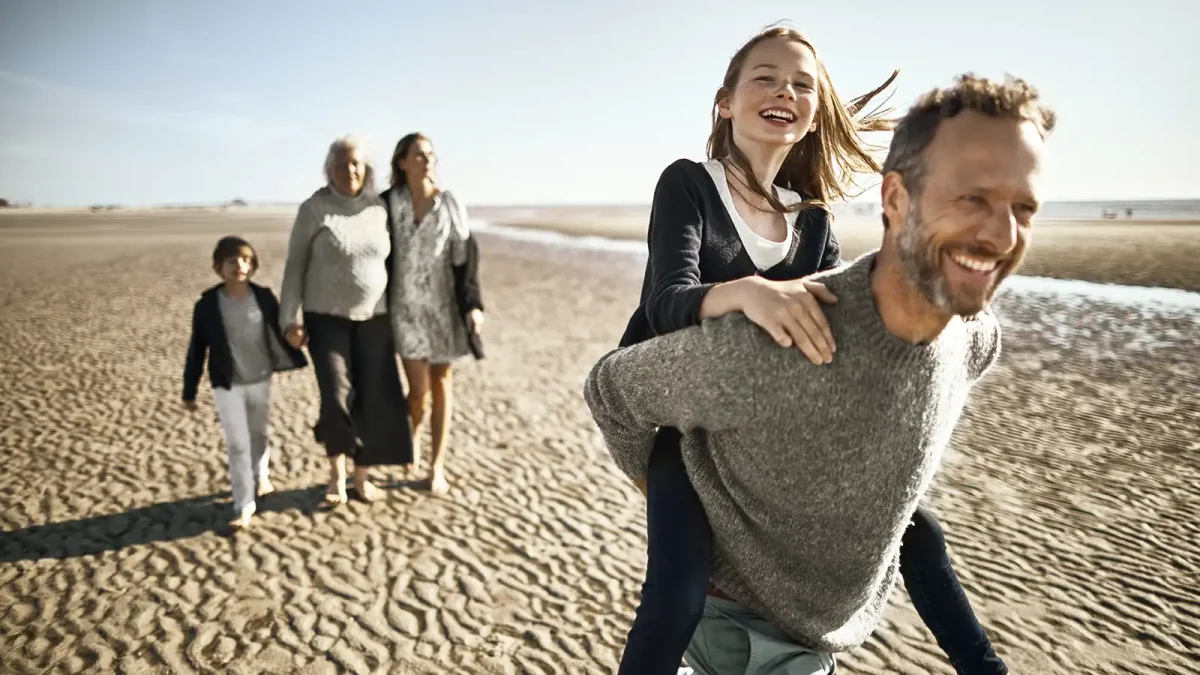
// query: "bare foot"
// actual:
[[241, 522], [367, 492], [265, 487], [438, 484], [410, 470], [336, 493]]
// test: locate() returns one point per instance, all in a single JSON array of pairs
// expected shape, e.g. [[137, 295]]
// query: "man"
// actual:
[[809, 474]]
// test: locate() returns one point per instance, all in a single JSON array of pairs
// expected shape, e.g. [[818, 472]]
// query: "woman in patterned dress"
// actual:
[[435, 306]]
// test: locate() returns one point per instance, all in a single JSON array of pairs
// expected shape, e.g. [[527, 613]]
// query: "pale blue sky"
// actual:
[[530, 102]]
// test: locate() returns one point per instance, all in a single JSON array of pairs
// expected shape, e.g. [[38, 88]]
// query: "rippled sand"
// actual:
[[1069, 497]]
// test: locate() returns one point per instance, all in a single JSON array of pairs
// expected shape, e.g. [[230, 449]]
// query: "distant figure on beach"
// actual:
[[740, 233], [235, 325], [437, 310], [338, 273], [810, 473]]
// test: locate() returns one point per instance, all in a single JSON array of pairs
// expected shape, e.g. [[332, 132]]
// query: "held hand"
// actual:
[[475, 320], [791, 312], [296, 336]]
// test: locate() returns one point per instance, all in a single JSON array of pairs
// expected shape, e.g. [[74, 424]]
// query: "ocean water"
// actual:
[[1157, 209], [1163, 209], [1103, 321]]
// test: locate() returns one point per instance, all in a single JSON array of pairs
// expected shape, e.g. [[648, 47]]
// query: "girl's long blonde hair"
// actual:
[[822, 166]]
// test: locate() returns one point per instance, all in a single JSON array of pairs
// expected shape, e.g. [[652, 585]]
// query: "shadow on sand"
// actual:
[[167, 521]]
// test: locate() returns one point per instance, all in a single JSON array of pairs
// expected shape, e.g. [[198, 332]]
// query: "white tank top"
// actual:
[[763, 252]]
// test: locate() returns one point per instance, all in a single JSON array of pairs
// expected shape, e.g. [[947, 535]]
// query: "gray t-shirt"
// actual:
[[244, 329]]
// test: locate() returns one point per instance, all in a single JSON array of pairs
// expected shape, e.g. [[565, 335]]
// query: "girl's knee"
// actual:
[[926, 528], [681, 595], [923, 545]]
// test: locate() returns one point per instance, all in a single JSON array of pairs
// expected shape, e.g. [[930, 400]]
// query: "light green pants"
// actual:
[[732, 640]]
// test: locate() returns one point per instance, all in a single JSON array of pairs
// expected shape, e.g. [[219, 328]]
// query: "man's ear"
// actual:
[[894, 197]]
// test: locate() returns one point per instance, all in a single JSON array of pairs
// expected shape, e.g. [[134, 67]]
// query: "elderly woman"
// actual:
[[337, 273], [436, 306]]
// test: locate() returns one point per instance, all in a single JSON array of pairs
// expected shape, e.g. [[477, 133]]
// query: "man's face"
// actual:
[[968, 227]]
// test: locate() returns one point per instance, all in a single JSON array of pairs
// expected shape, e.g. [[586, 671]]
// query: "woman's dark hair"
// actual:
[[398, 179], [231, 247]]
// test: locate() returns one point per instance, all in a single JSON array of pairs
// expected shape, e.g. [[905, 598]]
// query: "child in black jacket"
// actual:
[[236, 325]]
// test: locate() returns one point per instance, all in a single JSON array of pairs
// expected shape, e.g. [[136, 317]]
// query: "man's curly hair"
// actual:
[[1012, 99]]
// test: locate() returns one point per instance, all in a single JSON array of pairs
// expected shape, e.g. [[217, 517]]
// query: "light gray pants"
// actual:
[[732, 640], [244, 411]]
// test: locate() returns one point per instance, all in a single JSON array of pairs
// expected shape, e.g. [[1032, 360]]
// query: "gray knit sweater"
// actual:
[[809, 474], [337, 258]]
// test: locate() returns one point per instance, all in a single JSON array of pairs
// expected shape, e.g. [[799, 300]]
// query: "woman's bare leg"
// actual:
[[417, 374], [336, 492], [443, 400], [365, 489]]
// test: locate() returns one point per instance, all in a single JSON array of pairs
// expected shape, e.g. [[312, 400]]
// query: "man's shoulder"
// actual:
[[734, 336], [855, 270], [983, 334], [850, 281]]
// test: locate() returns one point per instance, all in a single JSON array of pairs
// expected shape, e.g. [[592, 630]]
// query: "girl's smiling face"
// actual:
[[775, 100]]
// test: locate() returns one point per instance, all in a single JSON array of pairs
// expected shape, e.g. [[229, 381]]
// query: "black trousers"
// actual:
[[364, 413]]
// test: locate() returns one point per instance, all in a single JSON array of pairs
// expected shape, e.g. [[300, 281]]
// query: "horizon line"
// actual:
[[510, 205]]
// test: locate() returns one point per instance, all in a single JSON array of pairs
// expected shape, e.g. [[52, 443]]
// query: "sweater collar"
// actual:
[[854, 280]]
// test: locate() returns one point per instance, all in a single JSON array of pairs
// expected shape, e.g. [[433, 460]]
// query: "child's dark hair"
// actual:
[[231, 247]]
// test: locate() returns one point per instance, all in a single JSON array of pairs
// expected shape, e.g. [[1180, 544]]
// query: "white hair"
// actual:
[[347, 143]]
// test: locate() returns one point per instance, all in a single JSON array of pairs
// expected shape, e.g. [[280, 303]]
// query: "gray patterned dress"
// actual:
[[425, 314]]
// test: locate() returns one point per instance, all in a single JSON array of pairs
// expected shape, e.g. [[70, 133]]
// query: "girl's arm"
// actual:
[[197, 350], [789, 311], [676, 231], [832, 255]]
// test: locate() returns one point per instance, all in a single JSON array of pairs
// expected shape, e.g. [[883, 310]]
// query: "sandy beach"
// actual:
[[1069, 496]]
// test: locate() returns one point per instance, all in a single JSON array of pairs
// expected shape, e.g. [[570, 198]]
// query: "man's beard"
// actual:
[[922, 262]]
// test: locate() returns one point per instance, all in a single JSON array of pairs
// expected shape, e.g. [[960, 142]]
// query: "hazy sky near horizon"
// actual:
[[528, 102]]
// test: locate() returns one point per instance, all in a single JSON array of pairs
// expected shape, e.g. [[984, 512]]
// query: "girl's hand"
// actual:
[[296, 336], [791, 313], [190, 405], [475, 320]]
